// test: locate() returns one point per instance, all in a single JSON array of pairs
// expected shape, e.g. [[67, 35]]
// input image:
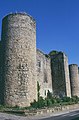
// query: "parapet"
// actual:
[[58, 53], [19, 13], [42, 53], [73, 65]]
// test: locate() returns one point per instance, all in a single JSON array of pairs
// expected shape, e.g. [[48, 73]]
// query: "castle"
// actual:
[[22, 65]]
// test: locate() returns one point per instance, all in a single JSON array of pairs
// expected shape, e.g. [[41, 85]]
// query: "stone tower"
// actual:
[[19, 53], [74, 78], [60, 75]]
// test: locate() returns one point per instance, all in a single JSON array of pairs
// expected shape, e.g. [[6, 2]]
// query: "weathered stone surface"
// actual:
[[44, 76], [21, 65], [60, 75], [19, 43], [74, 79], [1, 81], [66, 74]]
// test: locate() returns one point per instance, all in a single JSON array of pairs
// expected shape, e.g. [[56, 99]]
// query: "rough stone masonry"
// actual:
[[22, 65], [19, 44]]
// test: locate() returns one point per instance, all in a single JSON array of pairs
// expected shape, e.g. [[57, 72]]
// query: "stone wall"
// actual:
[[74, 78], [78, 73], [19, 50], [66, 75], [1, 75], [44, 76], [60, 73], [21, 65], [52, 110]]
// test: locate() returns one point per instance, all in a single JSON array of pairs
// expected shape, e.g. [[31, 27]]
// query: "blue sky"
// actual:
[[57, 23]]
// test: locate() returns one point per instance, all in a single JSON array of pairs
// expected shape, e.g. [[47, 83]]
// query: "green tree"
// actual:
[[38, 90]]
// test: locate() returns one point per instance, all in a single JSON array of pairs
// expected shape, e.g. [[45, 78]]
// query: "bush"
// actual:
[[75, 99], [50, 101], [41, 102], [58, 100], [66, 99], [34, 104], [53, 100]]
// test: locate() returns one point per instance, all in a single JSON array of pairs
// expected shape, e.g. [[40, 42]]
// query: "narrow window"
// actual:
[[45, 93], [39, 64]]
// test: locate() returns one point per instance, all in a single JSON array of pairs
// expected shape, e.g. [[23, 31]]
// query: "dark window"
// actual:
[[39, 64], [45, 93]]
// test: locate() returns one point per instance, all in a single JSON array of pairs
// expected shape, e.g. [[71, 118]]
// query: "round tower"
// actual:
[[73, 70], [19, 50]]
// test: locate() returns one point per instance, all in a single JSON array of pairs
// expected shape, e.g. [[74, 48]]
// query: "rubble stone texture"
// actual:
[[44, 76], [60, 75], [19, 44], [21, 65], [74, 79]]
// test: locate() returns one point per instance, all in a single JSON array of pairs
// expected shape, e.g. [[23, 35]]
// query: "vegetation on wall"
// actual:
[[53, 52], [51, 101], [38, 90]]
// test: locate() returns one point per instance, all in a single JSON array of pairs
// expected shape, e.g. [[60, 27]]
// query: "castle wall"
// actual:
[[78, 72], [1, 80], [60, 73], [66, 75], [21, 65], [74, 78], [44, 76], [19, 50]]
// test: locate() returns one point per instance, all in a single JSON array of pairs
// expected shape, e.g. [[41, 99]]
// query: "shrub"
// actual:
[[38, 90], [34, 104], [58, 100], [66, 99], [49, 102], [49, 95], [75, 99]]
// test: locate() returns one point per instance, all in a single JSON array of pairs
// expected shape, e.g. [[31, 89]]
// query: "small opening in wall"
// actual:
[[39, 64], [45, 92]]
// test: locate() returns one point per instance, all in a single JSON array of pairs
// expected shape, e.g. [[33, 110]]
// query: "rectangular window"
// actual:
[[45, 93], [39, 64]]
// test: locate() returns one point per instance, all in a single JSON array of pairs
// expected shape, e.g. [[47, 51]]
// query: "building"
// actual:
[[22, 65]]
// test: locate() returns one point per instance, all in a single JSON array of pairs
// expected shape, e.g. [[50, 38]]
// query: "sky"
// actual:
[[57, 23]]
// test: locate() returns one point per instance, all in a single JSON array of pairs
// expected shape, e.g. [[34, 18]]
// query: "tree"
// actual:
[[38, 90]]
